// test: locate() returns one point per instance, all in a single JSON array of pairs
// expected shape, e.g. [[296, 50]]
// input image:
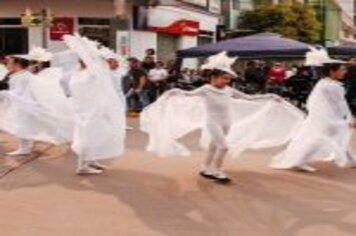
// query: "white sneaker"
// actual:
[[19, 152], [129, 128], [97, 165], [307, 168], [89, 171], [221, 177]]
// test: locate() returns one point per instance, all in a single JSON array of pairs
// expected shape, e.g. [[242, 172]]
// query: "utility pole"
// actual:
[[323, 9]]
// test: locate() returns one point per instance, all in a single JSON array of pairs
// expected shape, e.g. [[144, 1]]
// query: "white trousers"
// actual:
[[218, 147], [25, 145]]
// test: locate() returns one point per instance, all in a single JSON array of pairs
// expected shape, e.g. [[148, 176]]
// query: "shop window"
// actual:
[[96, 29], [100, 34], [10, 21], [13, 40], [93, 21]]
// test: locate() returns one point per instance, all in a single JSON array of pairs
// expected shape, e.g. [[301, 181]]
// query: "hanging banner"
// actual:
[[123, 43], [61, 26]]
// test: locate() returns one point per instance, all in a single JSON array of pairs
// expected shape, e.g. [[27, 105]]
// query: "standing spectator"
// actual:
[[255, 75], [186, 76], [137, 86], [150, 52], [149, 63], [158, 73], [157, 77], [277, 74], [350, 84], [173, 74]]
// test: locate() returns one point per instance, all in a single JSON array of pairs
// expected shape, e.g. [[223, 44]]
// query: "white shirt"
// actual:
[[3, 71], [156, 75]]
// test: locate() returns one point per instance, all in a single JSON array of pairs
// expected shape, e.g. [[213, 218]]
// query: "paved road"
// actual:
[[145, 195]]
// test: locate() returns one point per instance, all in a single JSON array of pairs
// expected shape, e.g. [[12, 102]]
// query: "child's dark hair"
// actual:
[[21, 62], [213, 73], [329, 67]]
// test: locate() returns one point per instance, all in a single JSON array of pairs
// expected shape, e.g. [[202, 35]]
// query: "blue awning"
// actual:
[[264, 45]]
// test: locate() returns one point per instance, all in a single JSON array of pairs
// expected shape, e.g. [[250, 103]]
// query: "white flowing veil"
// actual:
[[256, 124], [50, 96]]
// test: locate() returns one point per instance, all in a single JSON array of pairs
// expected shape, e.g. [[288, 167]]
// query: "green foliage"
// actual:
[[297, 21]]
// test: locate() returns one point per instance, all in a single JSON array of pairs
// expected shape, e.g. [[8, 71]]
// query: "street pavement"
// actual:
[[142, 194]]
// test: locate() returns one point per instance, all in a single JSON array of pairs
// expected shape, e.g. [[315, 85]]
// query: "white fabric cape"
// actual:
[[47, 117], [325, 133], [100, 114], [256, 124]]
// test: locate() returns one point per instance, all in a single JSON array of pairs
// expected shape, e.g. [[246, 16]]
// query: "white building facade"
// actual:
[[165, 28]]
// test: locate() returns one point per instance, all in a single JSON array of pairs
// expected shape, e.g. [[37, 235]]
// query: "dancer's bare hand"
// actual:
[[353, 124]]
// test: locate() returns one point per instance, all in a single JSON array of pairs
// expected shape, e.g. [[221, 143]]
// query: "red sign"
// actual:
[[61, 26], [181, 27]]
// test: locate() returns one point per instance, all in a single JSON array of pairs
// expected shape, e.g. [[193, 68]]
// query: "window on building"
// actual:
[[236, 4], [93, 21], [10, 21], [96, 28]]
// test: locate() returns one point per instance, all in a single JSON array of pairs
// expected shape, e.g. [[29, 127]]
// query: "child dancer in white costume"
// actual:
[[327, 130], [21, 113], [218, 99], [99, 131]]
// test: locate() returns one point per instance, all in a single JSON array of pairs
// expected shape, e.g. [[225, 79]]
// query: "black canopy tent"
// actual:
[[344, 50], [264, 45]]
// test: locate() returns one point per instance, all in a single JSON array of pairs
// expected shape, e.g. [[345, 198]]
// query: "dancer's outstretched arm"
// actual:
[[195, 92], [240, 95]]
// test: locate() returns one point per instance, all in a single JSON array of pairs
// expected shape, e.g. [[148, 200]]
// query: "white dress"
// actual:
[[99, 129], [225, 117], [23, 116], [326, 132]]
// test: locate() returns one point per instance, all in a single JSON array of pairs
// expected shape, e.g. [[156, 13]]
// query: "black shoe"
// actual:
[[97, 166], [222, 178], [225, 180]]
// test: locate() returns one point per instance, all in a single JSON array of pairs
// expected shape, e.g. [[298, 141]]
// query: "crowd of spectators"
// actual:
[[146, 80]]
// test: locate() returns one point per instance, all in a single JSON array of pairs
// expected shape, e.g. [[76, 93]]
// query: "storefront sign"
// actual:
[[180, 27], [61, 27]]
